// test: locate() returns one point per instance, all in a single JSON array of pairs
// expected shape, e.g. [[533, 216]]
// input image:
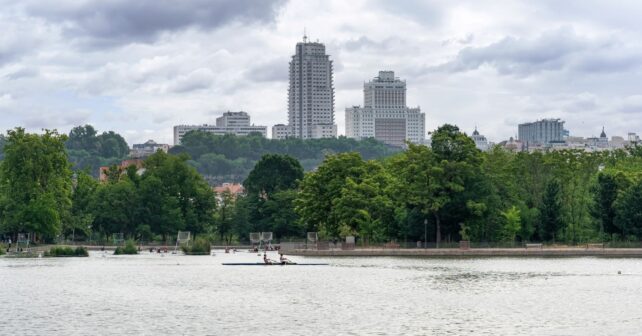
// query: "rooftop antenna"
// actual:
[[305, 35]]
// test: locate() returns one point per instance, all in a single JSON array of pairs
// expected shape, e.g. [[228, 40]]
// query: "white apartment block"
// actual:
[[280, 131], [385, 115], [233, 119], [237, 123], [311, 92], [545, 132]]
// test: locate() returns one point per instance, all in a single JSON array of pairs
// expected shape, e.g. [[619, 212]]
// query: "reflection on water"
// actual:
[[152, 295]]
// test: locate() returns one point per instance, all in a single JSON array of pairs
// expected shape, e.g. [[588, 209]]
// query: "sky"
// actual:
[[141, 67]]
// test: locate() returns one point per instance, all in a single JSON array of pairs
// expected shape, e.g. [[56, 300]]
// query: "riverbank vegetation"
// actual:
[[200, 246], [230, 158], [448, 192], [66, 251], [128, 248]]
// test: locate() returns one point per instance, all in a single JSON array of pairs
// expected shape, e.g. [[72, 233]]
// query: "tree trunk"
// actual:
[[438, 227]]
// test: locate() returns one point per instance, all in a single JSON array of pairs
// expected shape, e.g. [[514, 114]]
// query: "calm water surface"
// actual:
[[183, 295]]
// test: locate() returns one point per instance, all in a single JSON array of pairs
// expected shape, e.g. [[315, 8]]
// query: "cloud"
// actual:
[[275, 70], [117, 22], [23, 73], [510, 55], [198, 79]]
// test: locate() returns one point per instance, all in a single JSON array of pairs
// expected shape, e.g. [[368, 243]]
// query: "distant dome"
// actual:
[[475, 132], [603, 135]]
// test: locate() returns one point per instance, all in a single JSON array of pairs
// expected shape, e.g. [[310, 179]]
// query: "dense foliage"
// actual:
[[89, 150], [449, 192], [129, 248], [35, 183], [454, 191], [230, 158], [200, 246], [66, 251]]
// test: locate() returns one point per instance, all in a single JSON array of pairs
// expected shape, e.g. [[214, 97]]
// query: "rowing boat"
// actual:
[[274, 264]]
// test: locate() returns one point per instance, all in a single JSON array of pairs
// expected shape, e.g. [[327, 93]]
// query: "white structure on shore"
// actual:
[[311, 93], [237, 123], [384, 115]]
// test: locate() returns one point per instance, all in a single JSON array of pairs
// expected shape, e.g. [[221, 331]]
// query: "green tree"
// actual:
[[512, 223], [628, 207], [81, 201], [319, 188], [36, 183], [183, 190], [605, 194], [273, 173], [225, 216], [551, 214]]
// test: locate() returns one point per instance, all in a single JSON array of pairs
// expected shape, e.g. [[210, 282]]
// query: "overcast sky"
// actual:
[[140, 67]]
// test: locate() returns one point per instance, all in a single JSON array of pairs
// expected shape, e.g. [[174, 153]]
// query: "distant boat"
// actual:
[[274, 264]]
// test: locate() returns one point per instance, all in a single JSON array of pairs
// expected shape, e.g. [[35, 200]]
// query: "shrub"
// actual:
[[66, 251], [129, 248], [3, 249], [201, 246]]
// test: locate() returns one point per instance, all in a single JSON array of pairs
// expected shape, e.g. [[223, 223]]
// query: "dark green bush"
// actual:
[[129, 248], [66, 251], [3, 249], [200, 246]]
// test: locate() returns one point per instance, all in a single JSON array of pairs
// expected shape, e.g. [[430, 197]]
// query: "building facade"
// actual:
[[146, 149], [237, 123], [543, 132], [384, 115], [311, 92], [233, 119], [280, 131], [480, 141]]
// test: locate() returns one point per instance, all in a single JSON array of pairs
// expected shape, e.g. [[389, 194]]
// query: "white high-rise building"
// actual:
[[384, 115], [311, 92]]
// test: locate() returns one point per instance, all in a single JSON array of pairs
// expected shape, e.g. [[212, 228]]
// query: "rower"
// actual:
[[265, 259], [283, 259]]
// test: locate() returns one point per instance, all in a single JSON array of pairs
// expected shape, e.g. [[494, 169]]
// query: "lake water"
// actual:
[[189, 295]]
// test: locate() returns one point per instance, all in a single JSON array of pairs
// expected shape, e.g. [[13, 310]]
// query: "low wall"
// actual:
[[479, 252]]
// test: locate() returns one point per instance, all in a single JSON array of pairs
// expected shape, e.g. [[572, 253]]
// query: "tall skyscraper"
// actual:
[[311, 93], [384, 115]]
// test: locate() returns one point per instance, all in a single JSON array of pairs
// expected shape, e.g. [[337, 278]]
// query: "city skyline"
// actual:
[[473, 64]]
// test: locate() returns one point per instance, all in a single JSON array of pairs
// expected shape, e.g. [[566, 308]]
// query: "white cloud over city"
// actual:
[[140, 67]]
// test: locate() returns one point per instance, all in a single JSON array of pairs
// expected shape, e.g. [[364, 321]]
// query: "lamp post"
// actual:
[[425, 233]]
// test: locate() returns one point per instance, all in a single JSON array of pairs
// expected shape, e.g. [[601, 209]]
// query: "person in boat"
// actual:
[[283, 259], [265, 258]]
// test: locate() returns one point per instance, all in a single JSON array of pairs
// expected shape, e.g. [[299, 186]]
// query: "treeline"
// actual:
[[230, 158], [88, 150], [40, 194], [451, 191]]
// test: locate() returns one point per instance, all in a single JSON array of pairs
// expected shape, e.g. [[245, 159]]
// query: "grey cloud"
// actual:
[[22, 73], [364, 43], [631, 105], [549, 51], [108, 23], [196, 80], [275, 70], [424, 12]]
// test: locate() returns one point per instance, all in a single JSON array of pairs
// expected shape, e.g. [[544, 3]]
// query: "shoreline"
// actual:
[[475, 252]]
